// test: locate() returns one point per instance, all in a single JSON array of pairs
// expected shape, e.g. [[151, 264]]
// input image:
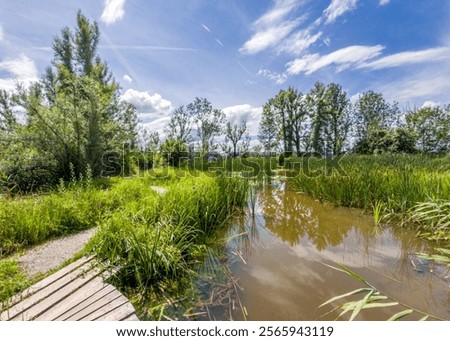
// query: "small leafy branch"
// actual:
[[372, 299]]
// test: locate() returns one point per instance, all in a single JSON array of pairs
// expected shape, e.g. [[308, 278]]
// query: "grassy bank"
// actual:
[[415, 189], [152, 240]]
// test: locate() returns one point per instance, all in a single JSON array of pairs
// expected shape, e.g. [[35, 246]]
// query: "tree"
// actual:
[[373, 112], [8, 120], [209, 122], [180, 125], [379, 141], [173, 151], [431, 128], [337, 122], [74, 113], [317, 103], [268, 129], [285, 114], [237, 136]]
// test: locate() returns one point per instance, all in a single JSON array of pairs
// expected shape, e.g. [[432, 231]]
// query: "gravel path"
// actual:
[[50, 255]]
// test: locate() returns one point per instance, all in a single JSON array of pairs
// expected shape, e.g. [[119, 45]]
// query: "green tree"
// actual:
[[180, 125], [173, 151], [431, 128], [337, 122], [317, 104], [209, 122], [236, 140], [373, 112], [268, 129], [74, 114]]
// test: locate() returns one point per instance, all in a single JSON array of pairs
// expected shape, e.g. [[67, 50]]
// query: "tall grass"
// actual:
[[154, 242], [390, 183]]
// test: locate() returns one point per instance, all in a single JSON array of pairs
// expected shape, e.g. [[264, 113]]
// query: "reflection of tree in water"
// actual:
[[291, 216]]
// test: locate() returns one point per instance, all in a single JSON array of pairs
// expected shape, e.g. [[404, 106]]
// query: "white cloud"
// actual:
[[408, 57], [268, 37], [420, 88], [21, 69], [2, 34], [278, 78], [271, 28], [128, 79], [430, 104], [299, 41], [338, 8], [113, 11], [344, 58], [384, 2], [252, 115], [150, 107], [218, 42]]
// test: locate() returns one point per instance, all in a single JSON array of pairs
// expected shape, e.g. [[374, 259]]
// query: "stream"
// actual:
[[277, 263]]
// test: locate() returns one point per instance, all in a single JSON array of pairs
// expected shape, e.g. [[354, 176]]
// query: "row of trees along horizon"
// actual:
[[74, 120]]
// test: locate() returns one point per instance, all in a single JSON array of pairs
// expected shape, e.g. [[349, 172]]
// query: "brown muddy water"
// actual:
[[277, 263]]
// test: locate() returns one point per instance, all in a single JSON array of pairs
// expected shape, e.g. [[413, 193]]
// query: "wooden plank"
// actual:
[[55, 296], [132, 317], [96, 305], [118, 313], [47, 281], [73, 300], [96, 296], [76, 292], [106, 308], [44, 292]]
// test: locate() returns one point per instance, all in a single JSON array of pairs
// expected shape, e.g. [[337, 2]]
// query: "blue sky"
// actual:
[[239, 53]]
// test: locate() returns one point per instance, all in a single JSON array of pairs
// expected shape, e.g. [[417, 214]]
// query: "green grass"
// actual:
[[155, 242], [152, 241], [12, 280]]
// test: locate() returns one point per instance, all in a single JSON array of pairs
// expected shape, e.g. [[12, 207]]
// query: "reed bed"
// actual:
[[400, 186]]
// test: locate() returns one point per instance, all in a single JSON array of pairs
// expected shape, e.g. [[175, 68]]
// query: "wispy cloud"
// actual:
[[271, 28], [278, 78], [420, 87], [21, 70], [206, 28], [268, 38], [384, 2], [338, 8], [218, 42], [146, 47], [408, 58], [2, 34], [128, 79], [344, 58], [299, 41], [113, 11]]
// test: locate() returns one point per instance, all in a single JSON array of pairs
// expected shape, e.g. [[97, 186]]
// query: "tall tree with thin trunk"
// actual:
[[209, 122]]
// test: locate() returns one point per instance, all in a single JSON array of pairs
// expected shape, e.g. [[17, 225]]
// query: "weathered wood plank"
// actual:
[[56, 296], [108, 292], [76, 292], [132, 317], [73, 300], [45, 291], [118, 313], [46, 281]]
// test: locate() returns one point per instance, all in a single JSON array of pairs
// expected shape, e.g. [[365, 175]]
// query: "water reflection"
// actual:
[[278, 257]]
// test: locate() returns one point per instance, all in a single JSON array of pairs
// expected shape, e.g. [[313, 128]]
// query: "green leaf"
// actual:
[[400, 315], [354, 292], [360, 305]]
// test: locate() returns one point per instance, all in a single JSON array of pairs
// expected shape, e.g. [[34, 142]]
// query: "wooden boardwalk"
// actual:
[[74, 293]]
